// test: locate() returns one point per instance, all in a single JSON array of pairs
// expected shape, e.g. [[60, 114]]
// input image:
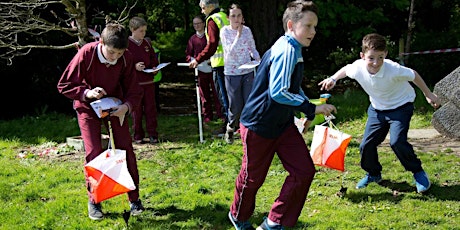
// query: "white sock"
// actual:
[[271, 223]]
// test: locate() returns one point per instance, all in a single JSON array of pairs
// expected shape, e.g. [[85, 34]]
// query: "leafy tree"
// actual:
[[54, 29]]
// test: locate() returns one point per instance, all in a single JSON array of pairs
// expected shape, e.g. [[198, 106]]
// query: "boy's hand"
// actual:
[[96, 93], [327, 84], [140, 66], [433, 100], [325, 109], [120, 110], [193, 64], [306, 124]]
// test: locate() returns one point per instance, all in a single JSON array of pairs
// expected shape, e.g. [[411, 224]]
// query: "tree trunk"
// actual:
[[410, 29], [265, 21]]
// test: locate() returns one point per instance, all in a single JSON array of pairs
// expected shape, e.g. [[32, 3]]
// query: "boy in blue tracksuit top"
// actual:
[[267, 125]]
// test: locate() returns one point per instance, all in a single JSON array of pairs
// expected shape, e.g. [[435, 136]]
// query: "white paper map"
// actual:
[[103, 105], [160, 66], [249, 65]]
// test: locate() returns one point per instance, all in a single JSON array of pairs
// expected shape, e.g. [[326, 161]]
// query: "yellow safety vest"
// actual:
[[220, 18]]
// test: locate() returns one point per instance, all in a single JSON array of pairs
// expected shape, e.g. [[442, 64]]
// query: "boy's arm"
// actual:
[[329, 83], [431, 98]]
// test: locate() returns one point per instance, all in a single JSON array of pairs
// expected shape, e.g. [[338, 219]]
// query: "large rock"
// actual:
[[446, 120]]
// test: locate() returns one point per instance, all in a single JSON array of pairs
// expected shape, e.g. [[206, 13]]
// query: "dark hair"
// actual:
[[198, 17], [374, 42], [295, 10], [115, 35], [234, 6]]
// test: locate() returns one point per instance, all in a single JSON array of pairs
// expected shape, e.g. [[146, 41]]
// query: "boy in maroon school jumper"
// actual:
[[101, 69], [144, 58], [195, 45]]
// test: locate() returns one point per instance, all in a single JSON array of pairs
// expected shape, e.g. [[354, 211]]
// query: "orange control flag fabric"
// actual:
[[108, 175], [328, 147]]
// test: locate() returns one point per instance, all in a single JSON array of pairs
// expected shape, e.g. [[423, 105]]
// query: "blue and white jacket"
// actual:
[[277, 92]]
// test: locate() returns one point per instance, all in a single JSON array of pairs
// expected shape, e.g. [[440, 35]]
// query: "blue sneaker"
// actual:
[[368, 179], [265, 226], [240, 225], [422, 182]]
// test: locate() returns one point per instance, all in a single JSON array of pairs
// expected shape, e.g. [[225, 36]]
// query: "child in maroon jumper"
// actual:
[[195, 45], [101, 69], [144, 58]]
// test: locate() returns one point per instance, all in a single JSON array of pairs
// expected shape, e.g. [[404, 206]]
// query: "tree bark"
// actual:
[[265, 21], [410, 29]]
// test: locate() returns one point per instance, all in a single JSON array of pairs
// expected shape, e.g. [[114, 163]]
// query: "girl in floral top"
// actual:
[[239, 48]]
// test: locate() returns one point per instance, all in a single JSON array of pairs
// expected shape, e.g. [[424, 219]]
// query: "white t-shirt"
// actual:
[[389, 88]]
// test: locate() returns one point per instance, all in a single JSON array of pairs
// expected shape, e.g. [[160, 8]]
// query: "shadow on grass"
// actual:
[[399, 190], [203, 217]]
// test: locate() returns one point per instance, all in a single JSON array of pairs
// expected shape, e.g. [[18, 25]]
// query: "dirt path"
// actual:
[[430, 140]]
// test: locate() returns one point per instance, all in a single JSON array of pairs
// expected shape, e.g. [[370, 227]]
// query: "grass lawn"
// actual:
[[188, 185]]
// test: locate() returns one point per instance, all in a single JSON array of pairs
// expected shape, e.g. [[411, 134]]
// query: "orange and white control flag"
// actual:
[[108, 175], [328, 147]]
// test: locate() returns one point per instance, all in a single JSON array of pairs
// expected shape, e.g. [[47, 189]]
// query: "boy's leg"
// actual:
[[296, 159], [122, 140], [376, 130], [157, 96], [90, 129], [399, 127], [258, 154], [137, 115], [150, 110]]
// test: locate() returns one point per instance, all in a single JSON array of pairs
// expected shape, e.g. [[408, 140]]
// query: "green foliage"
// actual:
[[172, 45]]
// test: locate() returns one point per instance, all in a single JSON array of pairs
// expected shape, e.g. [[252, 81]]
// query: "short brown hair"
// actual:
[[137, 22], [295, 10], [115, 35], [374, 42]]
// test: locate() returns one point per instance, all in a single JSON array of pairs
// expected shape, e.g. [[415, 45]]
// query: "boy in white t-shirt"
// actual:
[[391, 96]]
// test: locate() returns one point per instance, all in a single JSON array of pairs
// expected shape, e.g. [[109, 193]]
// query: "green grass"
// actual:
[[188, 185]]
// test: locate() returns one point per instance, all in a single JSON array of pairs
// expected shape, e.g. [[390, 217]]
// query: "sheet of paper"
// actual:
[[160, 66], [148, 70], [103, 106], [249, 65]]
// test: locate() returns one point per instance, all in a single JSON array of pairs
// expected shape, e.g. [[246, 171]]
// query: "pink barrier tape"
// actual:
[[433, 51]]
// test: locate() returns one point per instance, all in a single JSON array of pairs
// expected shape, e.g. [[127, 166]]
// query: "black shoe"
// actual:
[[136, 207], [153, 140], [220, 132], [95, 211], [139, 141], [229, 137]]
